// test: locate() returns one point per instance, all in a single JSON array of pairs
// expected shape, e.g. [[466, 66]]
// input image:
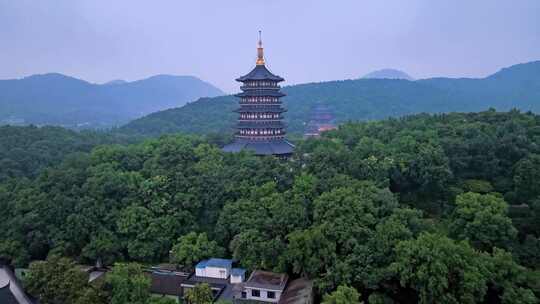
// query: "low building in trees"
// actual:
[[166, 281], [218, 274], [271, 287], [321, 119]]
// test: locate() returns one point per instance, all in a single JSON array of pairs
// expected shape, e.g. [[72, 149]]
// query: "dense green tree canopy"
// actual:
[[483, 219], [403, 210], [192, 248], [343, 295]]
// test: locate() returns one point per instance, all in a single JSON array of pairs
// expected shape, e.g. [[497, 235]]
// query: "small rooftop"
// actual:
[[166, 283], [10, 289], [267, 280], [238, 271], [299, 291], [214, 262], [224, 290]]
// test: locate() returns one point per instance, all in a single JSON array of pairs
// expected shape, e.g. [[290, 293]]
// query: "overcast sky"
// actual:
[[305, 40]]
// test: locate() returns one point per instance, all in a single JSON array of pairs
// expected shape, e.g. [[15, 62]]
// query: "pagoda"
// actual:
[[260, 127]]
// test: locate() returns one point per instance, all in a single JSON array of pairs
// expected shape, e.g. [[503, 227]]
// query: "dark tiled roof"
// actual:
[[11, 291], [267, 280], [260, 72], [260, 93], [261, 147], [6, 296], [166, 283]]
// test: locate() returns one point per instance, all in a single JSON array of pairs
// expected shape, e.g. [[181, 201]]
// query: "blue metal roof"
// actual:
[[202, 264], [225, 263], [238, 271]]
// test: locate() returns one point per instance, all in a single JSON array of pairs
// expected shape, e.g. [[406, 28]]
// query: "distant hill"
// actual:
[[388, 74], [362, 99], [115, 82], [56, 99]]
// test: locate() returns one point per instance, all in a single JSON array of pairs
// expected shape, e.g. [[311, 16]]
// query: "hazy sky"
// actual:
[[305, 40]]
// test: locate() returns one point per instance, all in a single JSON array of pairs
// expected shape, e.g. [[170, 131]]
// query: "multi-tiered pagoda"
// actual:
[[260, 127]]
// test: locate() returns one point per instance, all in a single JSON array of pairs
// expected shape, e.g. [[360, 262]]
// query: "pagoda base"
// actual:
[[279, 147]]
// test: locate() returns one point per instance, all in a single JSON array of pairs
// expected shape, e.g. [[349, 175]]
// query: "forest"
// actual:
[[429, 208], [517, 86]]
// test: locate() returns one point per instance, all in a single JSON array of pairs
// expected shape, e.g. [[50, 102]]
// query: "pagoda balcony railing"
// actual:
[[276, 102], [247, 87], [261, 137], [261, 119]]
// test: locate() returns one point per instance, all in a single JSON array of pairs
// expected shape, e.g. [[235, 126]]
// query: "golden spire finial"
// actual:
[[260, 53]]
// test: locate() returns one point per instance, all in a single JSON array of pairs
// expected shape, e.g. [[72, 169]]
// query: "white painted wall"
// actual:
[[264, 295], [237, 279], [213, 272], [200, 272], [218, 272]]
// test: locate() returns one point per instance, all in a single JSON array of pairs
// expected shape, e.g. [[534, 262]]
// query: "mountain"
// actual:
[[115, 82], [388, 74], [361, 99], [56, 99]]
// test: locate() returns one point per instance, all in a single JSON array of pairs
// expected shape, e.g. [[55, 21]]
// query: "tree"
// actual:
[[128, 284], [310, 252], [57, 281], [510, 279], [192, 248], [256, 250], [527, 177], [343, 295], [482, 219], [441, 270], [199, 294], [162, 300]]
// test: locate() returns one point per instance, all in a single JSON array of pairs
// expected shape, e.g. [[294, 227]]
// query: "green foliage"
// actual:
[[192, 248], [60, 281], [510, 279], [441, 270], [478, 186], [161, 300], [128, 284], [342, 295], [370, 206], [200, 294], [378, 298], [26, 151], [527, 177], [483, 219]]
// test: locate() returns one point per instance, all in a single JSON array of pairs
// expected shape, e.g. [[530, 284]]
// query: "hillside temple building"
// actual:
[[260, 127]]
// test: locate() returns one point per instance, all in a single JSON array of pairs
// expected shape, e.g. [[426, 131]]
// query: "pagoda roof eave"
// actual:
[[260, 72]]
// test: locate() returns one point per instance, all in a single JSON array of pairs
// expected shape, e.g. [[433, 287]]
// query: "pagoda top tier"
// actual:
[[260, 72]]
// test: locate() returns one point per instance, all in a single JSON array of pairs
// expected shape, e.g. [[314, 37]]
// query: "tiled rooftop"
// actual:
[[266, 279]]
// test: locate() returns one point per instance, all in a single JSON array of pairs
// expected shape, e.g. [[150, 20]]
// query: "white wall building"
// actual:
[[264, 286], [214, 268]]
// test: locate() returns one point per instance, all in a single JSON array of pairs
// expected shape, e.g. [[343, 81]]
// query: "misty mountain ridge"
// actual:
[[388, 74], [361, 99], [57, 99]]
